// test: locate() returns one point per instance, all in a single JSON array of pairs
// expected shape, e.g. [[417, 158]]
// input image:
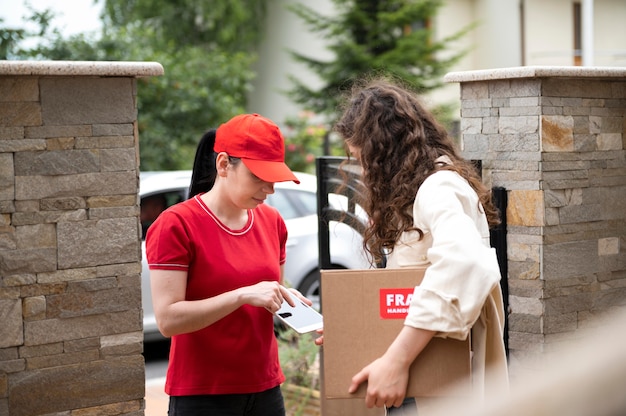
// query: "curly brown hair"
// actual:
[[399, 142]]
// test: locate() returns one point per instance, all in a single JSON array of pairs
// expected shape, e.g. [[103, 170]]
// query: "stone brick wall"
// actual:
[[555, 138], [70, 288]]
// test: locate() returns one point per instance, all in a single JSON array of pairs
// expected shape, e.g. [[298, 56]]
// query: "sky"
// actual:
[[72, 16]]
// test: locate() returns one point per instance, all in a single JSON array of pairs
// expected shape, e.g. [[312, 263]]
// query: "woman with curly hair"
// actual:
[[427, 207]]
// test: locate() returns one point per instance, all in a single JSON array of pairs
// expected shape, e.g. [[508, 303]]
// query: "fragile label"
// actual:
[[394, 303]]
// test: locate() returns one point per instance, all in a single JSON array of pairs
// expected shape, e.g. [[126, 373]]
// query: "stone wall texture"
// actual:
[[557, 144], [70, 255]]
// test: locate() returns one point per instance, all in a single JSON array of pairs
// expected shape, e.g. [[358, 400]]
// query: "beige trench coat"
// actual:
[[460, 293]]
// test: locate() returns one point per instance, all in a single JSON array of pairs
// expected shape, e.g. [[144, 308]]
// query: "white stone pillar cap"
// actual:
[[81, 68], [536, 72]]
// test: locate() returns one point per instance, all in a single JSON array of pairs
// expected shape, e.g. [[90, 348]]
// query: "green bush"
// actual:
[[299, 358]]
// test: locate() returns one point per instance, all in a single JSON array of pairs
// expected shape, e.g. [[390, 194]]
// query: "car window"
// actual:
[[293, 203], [280, 200], [153, 205], [307, 201]]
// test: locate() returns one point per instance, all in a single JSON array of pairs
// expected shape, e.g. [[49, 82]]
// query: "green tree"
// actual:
[[11, 39], [206, 48], [374, 37], [233, 25]]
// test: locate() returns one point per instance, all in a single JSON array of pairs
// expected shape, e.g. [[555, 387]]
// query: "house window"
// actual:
[[578, 60], [416, 26]]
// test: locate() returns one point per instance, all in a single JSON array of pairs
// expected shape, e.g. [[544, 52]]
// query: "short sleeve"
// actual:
[[168, 243]]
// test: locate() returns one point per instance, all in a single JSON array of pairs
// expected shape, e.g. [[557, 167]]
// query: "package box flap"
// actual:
[[364, 311]]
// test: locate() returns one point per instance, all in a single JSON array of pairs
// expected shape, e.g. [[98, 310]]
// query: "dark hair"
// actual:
[[400, 142], [204, 171]]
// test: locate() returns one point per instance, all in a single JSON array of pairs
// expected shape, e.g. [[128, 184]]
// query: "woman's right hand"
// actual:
[[267, 294], [177, 315]]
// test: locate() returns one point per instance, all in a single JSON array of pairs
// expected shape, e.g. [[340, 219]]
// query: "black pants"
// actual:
[[266, 403]]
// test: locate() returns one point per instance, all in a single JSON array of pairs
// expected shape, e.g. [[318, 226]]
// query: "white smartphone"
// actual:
[[302, 318]]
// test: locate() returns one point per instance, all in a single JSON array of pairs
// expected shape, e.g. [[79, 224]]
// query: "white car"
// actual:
[[297, 204]]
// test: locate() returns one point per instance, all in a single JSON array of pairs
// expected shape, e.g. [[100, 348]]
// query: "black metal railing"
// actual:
[[498, 241], [330, 180]]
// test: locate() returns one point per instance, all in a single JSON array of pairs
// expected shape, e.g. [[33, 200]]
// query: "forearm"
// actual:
[[192, 315], [409, 344]]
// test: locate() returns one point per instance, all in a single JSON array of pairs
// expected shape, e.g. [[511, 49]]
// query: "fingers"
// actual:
[[398, 402], [264, 294], [319, 341], [376, 395], [372, 400], [286, 295], [276, 293], [358, 378], [301, 297]]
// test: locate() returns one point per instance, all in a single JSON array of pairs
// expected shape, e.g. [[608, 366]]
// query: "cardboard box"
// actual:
[[364, 310]]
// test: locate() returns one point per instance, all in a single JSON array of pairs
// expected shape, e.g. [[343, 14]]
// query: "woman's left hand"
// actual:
[[388, 376], [300, 296], [387, 379], [320, 339]]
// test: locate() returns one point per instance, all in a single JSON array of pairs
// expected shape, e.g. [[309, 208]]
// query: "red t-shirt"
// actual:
[[239, 353]]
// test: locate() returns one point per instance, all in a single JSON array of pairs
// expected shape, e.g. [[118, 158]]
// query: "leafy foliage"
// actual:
[[299, 356], [373, 37], [305, 138], [11, 39], [230, 26], [207, 51]]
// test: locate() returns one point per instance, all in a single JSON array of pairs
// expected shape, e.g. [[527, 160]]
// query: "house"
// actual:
[[508, 33]]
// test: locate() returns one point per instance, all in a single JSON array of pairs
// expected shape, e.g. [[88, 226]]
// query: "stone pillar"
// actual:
[[555, 138], [70, 254]]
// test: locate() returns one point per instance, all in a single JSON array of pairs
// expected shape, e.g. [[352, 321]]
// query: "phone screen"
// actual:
[[302, 318]]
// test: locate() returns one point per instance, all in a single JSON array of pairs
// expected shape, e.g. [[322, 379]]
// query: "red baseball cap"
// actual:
[[258, 142]]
